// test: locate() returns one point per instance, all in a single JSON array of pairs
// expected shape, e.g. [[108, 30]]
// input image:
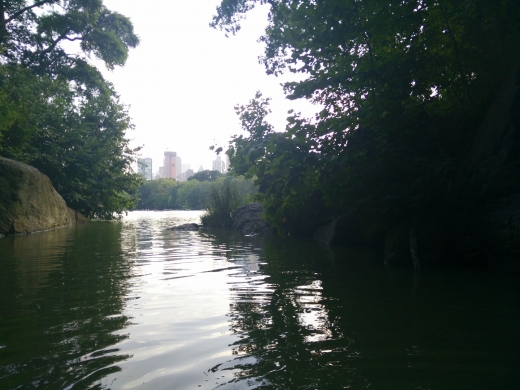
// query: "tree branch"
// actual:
[[25, 9], [54, 43], [72, 39]]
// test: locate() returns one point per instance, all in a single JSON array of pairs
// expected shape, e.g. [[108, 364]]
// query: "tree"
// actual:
[[282, 166], [58, 112], [403, 85], [164, 194], [194, 194], [158, 194], [32, 33], [206, 175]]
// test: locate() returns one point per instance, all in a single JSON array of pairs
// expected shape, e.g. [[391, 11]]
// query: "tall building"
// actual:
[[226, 159], [144, 168], [170, 165], [185, 168], [219, 165], [178, 165], [189, 173]]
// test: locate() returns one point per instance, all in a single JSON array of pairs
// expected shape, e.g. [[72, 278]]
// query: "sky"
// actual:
[[182, 82]]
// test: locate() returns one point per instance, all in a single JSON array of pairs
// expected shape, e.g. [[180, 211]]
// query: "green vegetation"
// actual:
[[222, 203], [206, 175], [194, 194], [403, 86], [57, 112]]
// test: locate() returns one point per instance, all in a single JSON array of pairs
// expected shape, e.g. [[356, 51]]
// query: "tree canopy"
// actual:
[[403, 86], [206, 175], [164, 194], [58, 113], [33, 33]]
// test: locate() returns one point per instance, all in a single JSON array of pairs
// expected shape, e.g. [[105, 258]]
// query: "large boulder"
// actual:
[[28, 201], [248, 219], [348, 231], [326, 233], [492, 167], [424, 236]]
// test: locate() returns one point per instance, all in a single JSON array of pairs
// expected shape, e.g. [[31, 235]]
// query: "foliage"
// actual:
[[280, 164], [223, 202], [33, 33], [206, 175], [403, 86], [158, 194], [193, 194], [164, 194], [57, 112]]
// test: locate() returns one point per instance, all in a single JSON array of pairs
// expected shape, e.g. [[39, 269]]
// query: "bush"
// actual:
[[223, 202]]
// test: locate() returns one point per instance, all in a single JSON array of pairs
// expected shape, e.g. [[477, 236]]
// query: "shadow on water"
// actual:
[[62, 294], [312, 317]]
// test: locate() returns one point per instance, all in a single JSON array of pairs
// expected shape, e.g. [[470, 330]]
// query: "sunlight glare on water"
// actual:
[[180, 322]]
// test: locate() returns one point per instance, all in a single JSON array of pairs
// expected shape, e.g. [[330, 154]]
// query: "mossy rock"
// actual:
[[28, 201]]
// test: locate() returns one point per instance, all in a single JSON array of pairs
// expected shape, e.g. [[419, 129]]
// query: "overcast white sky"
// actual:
[[184, 79]]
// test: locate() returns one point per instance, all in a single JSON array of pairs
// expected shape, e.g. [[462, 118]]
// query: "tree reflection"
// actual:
[[306, 317], [288, 326], [57, 332]]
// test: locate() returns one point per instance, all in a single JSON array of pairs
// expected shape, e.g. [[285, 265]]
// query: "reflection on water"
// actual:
[[132, 305], [62, 297]]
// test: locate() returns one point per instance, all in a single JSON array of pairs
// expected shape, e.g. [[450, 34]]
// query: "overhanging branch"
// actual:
[[25, 9]]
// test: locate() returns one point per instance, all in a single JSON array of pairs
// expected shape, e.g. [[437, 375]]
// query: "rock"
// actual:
[[348, 231], [28, 201], [326, 233], [497, 138], [492, 166], [428, 242], [397, 245], [248, 219], [186, 226], [504, 224]]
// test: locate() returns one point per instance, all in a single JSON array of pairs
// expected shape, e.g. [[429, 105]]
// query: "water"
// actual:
[[130, 305]]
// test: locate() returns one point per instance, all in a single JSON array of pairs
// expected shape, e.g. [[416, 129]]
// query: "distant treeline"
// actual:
[[193, 194]]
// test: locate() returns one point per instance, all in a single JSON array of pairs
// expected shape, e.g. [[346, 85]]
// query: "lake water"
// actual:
[[131, 305]]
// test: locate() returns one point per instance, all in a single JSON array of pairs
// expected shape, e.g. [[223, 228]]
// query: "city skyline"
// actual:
[[182, 92], [145, 168], [172, 161]]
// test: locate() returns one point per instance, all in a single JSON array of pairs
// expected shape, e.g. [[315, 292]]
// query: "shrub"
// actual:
[[223, 202]]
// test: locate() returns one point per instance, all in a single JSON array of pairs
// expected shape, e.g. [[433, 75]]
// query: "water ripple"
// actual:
[[132, 305]]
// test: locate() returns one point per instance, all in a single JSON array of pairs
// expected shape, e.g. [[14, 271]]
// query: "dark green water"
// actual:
[[130, 305]]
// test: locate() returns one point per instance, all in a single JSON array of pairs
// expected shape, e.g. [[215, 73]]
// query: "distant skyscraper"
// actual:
[[201, 168], [219, 165], [144, 167], [226, 160], [170, 165], [178, 166], [189, 173]]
